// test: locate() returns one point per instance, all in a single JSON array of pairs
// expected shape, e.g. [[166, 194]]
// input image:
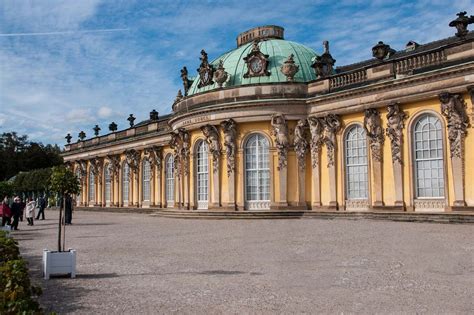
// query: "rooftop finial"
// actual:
[[326, 47]]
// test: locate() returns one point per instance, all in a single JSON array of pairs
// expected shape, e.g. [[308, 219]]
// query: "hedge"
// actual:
[[17, 295]]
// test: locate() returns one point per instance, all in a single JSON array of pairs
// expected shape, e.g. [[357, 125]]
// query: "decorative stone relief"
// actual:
[[461, 23], [316, 129], [205, 70], [257, 62], [114, 165], [280, 132], [176, 144], [230, 136], [156, 157], [324, 65], [96, 166], [374, 129], [83, 169], [453, 108], [133, 160], [300, 143], [185, 149], [332, 125], [395, 124], [212, 138], [289, 68], [220, 75]]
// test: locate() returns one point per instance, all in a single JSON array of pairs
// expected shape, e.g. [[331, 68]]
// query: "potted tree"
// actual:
[[63, 182]]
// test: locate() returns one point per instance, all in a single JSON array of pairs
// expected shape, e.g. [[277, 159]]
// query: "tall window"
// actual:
[[169, 180], [356, 163], [257, 172], [125, 182], [146, 180], [78, 196], [202, 179], [107, 184], [91, 186], [429, 163]]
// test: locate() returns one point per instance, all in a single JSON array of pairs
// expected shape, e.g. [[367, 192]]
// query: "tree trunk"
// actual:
[[63, 221], [60, 225]]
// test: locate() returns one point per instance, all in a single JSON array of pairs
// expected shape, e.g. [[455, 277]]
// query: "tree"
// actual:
[[6, 189], [17, 154], [63, 182]]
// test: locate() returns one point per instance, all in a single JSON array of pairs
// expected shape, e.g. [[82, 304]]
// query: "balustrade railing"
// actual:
[[349, 78], [420, 61]]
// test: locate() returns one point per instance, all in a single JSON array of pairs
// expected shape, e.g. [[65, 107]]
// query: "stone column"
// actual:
[[374, 129], [230, 135], [395, 125], [241, 187], [316, 128], [453, 108], [301, 147], [140, 184], [280, 132], [215, 183], [332, 125]]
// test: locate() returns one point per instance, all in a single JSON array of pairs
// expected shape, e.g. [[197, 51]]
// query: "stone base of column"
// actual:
[[378, 203], [388, 208], [459, 203], [279, 206], [315, 206], [230, 206], [299, 205]]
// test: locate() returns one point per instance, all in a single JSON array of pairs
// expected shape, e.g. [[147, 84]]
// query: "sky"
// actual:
[[67, 65]]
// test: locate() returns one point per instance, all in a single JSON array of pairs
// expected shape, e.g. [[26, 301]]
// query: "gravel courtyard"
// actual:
[[137, 264]]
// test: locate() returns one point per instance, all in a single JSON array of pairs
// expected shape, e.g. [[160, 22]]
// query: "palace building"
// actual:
[[274, 125]]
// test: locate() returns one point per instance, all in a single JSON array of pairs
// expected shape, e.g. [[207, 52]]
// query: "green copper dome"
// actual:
[[278, 51]]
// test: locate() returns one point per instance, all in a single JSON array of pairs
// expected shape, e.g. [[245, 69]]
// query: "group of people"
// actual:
[[12, 212]]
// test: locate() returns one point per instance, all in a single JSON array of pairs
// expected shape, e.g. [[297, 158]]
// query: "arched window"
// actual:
[[107, 185], [356, 163], [428, 155], [78, 196], [202, 175], [125, 183], [169, 165], [146, 176], [91, 187], [257, 173]]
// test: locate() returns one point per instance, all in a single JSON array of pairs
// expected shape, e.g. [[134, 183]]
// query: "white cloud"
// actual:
[[104, 112]]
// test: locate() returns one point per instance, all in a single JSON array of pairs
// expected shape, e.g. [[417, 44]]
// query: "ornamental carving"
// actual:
[[212, 138], [289, 68], [114, 165], [230, 136], [300, 143], [454, 109], [96, 165], [316, 128], [461, 23], [382, 51], [186, 82], [83, 169], [324, 65], [332, 125], [220, 75], [395, 124], [205, 70], [156, 157], [257, 62], [132, 157], [374, 129], [177, 145], [280, 132], [185, 149]]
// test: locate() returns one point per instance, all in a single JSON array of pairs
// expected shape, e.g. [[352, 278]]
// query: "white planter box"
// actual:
[[59, 263]]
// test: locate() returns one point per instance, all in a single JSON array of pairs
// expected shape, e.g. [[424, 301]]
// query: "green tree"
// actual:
[[6, 189], [63, 182]]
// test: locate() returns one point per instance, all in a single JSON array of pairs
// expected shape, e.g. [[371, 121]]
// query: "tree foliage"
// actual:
[[6, 189], [64, 181], [17, 154], [35, 180]]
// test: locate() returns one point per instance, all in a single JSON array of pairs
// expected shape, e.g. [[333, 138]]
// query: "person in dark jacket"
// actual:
[[22, 209], [6, 212], [16, 212], [41, 205], [68, 210]]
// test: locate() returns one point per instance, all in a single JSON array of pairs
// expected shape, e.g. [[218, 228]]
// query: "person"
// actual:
[[22, 209], [30, 210], [16, 212], [41, 205], [68, 210], [5, 212]]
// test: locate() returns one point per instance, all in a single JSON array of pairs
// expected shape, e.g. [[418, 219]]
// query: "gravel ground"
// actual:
[[137, 264]]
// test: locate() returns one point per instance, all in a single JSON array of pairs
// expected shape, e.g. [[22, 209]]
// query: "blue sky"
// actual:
[[68, 65]]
